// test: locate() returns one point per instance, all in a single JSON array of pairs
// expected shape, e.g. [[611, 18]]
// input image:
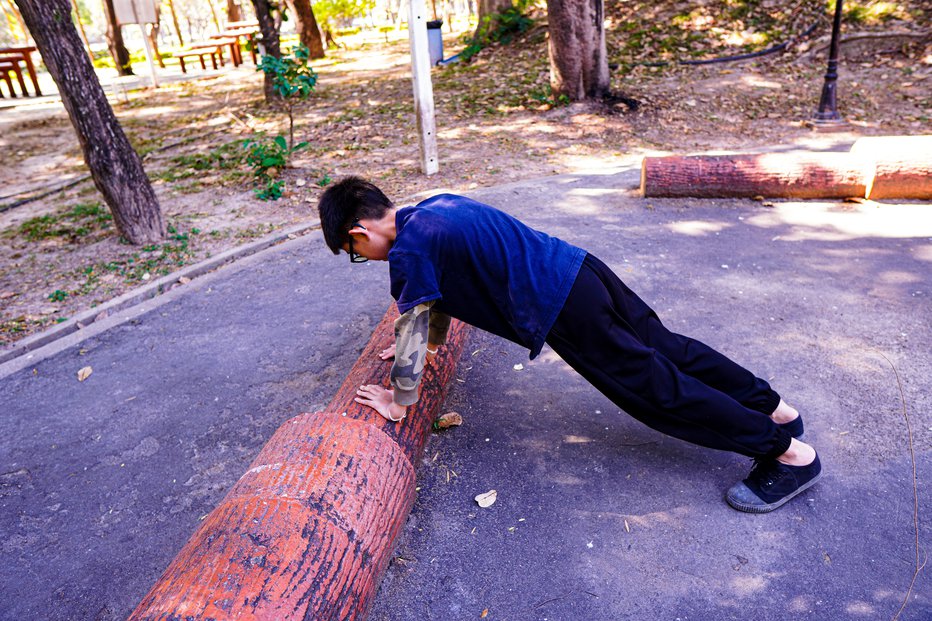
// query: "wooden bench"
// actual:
[[23, 53], [199, 54], [6, 68], [223, 40]]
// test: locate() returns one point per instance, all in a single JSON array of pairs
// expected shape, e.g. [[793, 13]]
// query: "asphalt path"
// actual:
[[597, 517]]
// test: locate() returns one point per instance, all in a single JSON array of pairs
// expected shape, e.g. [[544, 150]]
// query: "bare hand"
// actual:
[[382, 401], [389, 353]]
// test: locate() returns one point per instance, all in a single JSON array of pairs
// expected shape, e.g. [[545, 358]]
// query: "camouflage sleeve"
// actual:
[[439, 325], [411, 330]]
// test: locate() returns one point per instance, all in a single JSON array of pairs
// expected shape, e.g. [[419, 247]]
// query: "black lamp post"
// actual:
[[827, 114]]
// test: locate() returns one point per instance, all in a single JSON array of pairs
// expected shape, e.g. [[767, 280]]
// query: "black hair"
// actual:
[[346, 201]]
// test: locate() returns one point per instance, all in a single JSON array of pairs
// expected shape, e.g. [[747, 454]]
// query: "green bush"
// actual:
[[501, 28]]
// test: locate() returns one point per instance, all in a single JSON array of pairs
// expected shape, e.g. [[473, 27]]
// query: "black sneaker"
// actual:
[[794, 427], [771, 485]]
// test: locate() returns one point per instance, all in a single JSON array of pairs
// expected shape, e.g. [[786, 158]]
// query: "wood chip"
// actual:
[[84, 373]]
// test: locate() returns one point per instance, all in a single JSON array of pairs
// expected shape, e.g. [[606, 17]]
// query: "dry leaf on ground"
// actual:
[[450, 419], [84, 373], [487, 499]]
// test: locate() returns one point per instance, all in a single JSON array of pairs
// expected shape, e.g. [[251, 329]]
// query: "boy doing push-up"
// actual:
[[450, 256]]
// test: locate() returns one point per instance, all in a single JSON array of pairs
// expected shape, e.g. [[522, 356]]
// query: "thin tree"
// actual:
[[175, 23], [115, 40], [308, 30], [213, 12], [77, 18], [115, 167], [234, 12], [17, 19], [152, 33], [578, 62], [269, 40]]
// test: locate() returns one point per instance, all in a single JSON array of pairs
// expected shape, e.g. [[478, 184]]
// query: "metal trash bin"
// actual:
[[435, 41]]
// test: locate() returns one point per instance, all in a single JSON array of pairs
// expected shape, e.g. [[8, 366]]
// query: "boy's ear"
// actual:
[[359, 230]]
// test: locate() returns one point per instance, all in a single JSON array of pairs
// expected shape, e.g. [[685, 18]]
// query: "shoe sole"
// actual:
[[774, 505]]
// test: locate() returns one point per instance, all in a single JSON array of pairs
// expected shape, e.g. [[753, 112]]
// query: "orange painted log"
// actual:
[[773, 175], [309, 530], [901, 166]]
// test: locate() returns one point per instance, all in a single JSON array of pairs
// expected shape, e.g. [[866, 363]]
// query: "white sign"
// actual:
[[136, 11]]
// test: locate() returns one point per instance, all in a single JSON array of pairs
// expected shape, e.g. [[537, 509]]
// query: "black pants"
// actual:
[[670, 382]]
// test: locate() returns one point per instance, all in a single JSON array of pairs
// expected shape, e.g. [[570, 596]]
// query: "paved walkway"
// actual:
[[597, 517]]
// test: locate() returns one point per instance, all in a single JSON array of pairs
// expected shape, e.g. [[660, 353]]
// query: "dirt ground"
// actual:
[[495, 123]]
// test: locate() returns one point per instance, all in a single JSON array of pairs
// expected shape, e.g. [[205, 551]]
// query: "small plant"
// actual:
[[292, 78], [267, 159], [58, 295]]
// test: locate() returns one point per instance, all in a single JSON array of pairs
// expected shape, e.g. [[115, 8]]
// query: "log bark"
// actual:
[[773, 175], [116, 168], [309, 530], [307, 27], [269, 41], [901, 166], [115, 41], [875, 168], [578, 61]]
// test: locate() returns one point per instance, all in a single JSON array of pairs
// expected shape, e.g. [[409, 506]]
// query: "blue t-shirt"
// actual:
[[483, 267]]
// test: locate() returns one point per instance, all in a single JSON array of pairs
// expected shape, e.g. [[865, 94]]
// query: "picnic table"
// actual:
[[235, 30], [15, 55], [214, 46]]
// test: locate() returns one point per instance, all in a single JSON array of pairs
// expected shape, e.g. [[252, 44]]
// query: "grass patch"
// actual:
[[76, 224]]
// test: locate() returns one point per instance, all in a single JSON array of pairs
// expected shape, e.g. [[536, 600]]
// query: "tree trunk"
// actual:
[[175, 23], [306, 25], [488, 11], [268, 40], [234, 13], [115, 41], [578, 62], [114, 165]]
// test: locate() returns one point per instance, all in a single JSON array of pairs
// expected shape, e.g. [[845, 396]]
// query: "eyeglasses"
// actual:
[[353, 257]]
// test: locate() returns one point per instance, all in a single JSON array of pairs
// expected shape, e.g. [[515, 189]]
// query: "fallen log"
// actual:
[[901, 166], [773, 175], [309, 529], [875, 168]]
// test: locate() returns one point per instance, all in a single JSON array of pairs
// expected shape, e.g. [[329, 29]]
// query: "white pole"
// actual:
[[145, 41], [423, 90]]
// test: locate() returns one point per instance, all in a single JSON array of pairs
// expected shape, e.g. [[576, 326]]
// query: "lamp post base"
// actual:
[[827, 121]]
